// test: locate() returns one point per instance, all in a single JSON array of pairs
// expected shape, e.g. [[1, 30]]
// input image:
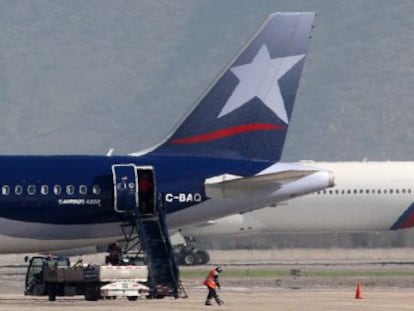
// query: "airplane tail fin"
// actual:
[[245, 113]]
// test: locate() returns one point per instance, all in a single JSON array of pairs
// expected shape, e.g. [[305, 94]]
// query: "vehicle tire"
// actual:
[[91, 293], [132, 298], [51, 291], [189, 259], [202, 257]]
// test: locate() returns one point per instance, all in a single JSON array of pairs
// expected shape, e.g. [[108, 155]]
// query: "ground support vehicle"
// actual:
[[54, 276]]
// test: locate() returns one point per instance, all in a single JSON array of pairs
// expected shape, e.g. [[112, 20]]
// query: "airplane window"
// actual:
[[409, 190], [355, 191], [361, 191], [391, 191], [83, 189], [337, 191], [18, 189], [367, 191], [403, 191], [330, 191], [349, 191], [397, 190], [57, 189], [379, 191], [31, 189], [70, 189], [5, 190], [385, 191], [44, 189], [96, 189]]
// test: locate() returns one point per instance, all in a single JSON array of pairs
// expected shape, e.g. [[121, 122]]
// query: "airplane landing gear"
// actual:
[[188, 254]]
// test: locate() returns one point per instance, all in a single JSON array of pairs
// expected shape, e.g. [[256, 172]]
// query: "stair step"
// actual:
[[154, 239]]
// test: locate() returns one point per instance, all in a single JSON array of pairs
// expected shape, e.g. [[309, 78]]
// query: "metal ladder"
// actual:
[[147, 237]]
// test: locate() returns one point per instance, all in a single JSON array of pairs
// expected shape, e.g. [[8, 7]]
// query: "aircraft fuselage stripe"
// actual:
[[406, 220], [231, 131]]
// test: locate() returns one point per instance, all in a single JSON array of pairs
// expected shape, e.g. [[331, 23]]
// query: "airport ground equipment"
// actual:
[[145, 230], [145, 236], [54, 277]]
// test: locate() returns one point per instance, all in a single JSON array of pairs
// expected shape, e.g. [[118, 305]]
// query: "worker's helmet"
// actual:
[[219, 269]]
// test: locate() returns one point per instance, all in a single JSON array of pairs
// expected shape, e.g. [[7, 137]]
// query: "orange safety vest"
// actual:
[[210, 281]]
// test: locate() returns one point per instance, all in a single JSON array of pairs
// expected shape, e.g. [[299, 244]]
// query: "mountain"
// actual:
[[86, 76]]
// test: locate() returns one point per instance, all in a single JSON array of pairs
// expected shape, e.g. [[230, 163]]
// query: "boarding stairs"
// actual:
[[145, 231]]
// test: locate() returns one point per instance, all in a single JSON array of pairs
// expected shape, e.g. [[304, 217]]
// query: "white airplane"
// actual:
[[367, 196]]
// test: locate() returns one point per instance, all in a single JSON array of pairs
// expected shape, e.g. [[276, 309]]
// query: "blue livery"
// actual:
[[237, 128]]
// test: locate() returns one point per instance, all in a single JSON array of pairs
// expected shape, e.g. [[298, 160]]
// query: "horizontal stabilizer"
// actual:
[[238, 188]]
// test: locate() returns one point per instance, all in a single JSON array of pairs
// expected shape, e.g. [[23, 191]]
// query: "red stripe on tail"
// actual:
[[231, 131]]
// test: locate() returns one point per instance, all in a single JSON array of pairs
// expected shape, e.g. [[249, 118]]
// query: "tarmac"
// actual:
[[240, 299], [385, 286]]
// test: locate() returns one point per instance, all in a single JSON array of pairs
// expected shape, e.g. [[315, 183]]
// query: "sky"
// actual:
[[81, 77]]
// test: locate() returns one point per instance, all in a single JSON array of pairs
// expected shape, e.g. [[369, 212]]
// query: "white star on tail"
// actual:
[[260, 79]]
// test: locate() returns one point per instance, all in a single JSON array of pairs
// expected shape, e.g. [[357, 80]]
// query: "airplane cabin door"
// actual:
[[125, 187], [146, 190]]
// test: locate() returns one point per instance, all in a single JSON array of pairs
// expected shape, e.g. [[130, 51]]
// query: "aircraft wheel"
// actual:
[[202, 257], [189, 259]]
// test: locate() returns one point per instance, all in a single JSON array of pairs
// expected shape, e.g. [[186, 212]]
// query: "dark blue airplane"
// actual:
[[222, 159]]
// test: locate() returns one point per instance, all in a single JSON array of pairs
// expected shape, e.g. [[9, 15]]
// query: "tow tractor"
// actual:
[[54, 276]]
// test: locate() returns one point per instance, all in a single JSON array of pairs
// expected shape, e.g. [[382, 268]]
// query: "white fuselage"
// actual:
[[367, 196]]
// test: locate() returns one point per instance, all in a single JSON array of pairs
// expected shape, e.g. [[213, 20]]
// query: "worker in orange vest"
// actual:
[[212, 282]]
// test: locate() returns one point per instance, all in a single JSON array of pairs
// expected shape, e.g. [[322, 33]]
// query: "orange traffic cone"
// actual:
[[358, 294]]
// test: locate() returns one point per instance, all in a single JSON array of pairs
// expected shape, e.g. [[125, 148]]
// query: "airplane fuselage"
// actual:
[[60, 202], [72, 197]]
